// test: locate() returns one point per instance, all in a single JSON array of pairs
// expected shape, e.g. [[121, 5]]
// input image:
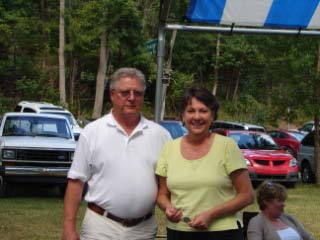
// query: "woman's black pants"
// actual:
[[234, 234]]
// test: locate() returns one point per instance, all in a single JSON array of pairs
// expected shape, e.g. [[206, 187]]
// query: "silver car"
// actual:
[[305, 158], [35, 148]]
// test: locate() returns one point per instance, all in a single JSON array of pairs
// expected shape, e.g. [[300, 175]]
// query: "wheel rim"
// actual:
[[305, 174]]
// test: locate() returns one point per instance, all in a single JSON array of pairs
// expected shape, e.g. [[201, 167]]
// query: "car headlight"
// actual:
[[8, 154], [248, 162], [293, 162]]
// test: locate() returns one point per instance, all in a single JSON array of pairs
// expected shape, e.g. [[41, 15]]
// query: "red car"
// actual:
[[264, 158], [289, 140]]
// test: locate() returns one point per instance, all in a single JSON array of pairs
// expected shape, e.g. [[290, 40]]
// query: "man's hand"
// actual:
[[69, 234]]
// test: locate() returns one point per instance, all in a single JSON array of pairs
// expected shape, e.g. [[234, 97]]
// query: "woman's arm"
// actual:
[[241, 181], [255, 229], [163, 201]]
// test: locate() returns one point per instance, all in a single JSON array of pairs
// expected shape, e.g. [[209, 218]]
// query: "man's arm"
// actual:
[[72, 200]]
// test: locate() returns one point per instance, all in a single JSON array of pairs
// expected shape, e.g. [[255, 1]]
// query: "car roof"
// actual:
[[239, 123], [286, 131], [171, 121], [34, 115], [43, 106], [238, 131]]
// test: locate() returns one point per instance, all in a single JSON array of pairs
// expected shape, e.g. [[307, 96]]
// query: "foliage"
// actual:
[[5, 103], [37, 89], [273, 73], [247, 109], [179, 82]]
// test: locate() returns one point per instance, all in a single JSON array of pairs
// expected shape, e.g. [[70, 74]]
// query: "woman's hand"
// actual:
[[201, 221], [173, 214]]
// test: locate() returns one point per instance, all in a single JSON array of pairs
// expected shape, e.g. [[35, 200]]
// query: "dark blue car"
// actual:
[[175, 128]]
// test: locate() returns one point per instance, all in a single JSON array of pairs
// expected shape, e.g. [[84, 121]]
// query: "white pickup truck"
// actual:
[[35, 148]]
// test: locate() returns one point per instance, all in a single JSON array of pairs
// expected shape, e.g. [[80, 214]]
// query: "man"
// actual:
[[116, 156]]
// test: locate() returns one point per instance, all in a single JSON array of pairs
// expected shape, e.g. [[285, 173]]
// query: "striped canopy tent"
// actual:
[[299, 14], [286, 17]]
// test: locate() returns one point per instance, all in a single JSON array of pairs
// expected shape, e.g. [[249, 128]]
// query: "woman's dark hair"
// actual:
[[268, 191], [203, 95]]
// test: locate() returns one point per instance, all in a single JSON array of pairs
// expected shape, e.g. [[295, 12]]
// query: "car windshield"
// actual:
[[254, 141], [68, 116], [297, 135], [36, 126]]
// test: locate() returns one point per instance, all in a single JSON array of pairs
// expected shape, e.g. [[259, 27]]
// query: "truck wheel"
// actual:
[[3, 186], [306, 173]]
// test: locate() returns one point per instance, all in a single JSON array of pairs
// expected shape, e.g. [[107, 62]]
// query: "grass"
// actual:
[[37, 213]]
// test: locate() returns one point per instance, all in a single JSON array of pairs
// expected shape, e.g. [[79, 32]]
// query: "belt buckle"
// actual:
[[127, 222]]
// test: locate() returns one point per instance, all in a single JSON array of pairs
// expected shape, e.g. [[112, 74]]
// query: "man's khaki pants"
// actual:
[[97, 227]]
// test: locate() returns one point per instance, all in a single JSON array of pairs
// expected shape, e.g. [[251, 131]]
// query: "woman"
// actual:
[[203, 179], [272, 223]]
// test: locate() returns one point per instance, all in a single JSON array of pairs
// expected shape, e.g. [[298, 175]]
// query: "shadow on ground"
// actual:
[[33, 190]]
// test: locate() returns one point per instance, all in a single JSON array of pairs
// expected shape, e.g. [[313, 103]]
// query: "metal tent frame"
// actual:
[[165, 27]]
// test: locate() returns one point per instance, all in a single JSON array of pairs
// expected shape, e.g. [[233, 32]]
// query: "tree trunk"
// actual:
[[228, 88], [72, 81], [62, 77], [235, 90], [216, 66], [167, 71], [101, 77]]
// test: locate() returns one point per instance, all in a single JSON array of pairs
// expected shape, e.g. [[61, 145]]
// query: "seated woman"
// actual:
[[272, 223]]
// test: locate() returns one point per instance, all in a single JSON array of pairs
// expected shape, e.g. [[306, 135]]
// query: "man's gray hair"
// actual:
[[127, 72]]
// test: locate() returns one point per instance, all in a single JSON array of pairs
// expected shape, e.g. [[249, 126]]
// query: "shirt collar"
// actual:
[[112, 122]]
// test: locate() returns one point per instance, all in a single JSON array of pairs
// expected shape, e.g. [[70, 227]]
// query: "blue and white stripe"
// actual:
[[259, 13]]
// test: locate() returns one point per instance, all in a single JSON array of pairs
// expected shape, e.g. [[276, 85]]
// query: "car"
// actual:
[[35, 148], [306, 160], [287, 139], [45, 107], [174, 127], [218, 124], [307, 127], [264, 158]]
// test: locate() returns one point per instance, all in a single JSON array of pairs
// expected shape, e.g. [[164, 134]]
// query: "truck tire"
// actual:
[[306, 173], [3, 186]]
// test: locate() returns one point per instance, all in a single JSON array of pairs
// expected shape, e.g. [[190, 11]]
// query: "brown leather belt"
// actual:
[[123, 221]]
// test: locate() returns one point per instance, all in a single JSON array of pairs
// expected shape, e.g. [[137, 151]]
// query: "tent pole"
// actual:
[[160, 56], [246, 30]]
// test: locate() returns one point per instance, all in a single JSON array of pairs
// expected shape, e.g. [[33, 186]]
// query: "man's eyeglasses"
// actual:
[[127, 93]]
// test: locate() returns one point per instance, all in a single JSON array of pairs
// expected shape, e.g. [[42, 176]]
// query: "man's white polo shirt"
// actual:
[[119, 168]]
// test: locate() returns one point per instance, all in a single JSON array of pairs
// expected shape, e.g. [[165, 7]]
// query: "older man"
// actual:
[[116, 156]]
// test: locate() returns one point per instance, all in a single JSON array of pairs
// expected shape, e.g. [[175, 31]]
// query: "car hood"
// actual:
[[38, 142], [266, 154]]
